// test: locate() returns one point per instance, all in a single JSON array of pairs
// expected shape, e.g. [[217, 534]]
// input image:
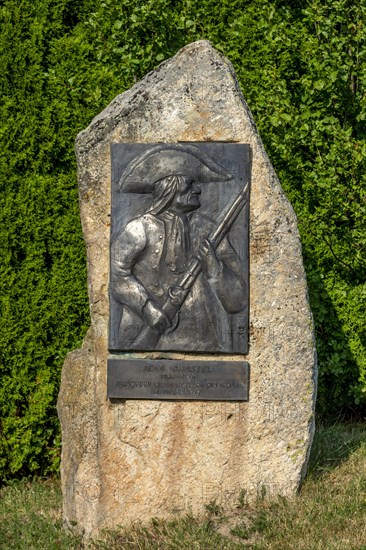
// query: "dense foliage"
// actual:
[[302, 69]]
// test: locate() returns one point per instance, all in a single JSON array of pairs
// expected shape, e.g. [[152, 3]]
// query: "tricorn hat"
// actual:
[[163, 160]]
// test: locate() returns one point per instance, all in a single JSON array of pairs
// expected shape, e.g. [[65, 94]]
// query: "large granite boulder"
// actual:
[[132, 460]]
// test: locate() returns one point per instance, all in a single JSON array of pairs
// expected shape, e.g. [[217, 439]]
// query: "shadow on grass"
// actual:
[[333, 445]]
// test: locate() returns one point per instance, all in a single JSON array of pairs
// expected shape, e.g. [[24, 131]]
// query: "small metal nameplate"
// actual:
[[169, 379]]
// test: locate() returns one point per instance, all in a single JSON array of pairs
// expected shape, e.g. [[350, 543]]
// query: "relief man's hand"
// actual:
[[211, 266], [155, 317]]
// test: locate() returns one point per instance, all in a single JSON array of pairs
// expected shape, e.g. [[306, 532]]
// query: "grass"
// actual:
[[328, 514], [31, 517]]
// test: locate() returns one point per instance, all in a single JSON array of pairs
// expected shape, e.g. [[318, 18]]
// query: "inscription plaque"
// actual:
[[169, 379], [179, 247]]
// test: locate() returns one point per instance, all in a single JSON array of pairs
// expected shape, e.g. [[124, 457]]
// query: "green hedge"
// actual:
[[302, 69]]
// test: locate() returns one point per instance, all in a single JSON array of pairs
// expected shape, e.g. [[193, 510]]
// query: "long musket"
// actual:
[[149, 337]]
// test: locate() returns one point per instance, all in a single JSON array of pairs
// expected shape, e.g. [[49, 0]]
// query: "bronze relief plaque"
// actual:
[[179, 247]]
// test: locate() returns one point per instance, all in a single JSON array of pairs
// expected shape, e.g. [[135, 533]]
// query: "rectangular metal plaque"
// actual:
[[169, 379], [179, 276]]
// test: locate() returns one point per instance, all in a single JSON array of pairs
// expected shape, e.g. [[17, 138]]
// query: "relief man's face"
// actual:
[[187, 196]]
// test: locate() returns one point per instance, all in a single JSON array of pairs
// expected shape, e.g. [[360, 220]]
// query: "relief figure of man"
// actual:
[[153, 251]]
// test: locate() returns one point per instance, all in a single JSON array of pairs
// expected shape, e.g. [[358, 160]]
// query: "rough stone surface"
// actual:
[[129, 461]]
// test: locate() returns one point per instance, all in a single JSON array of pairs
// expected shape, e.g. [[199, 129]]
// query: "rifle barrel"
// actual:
[[218, 234]]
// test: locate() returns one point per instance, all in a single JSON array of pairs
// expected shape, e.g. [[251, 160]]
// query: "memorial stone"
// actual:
[[196, 381]]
